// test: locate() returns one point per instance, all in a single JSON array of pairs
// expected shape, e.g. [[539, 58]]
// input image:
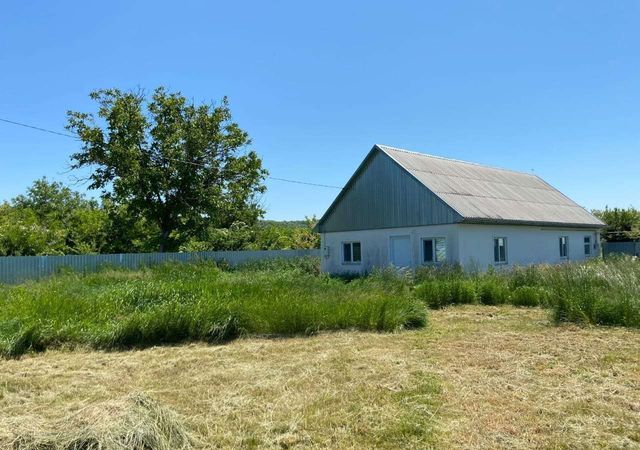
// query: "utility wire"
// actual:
[[173, 159], [39, 129]]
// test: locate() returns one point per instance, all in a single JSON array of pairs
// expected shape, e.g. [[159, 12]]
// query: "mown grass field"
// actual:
[[322, 362], [477, 377]]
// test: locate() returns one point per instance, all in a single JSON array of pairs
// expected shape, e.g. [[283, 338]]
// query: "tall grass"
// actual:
[[595, 291], [115, 309]]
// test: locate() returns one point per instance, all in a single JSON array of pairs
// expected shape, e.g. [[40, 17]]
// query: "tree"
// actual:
[[51, 219], [22, 234], [179, 165], [622, 224]]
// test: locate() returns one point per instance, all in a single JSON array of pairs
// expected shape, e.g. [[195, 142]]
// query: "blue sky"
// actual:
[[552, 87]]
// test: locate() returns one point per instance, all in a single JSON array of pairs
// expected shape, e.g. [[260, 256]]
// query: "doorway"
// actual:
[[400, 251]]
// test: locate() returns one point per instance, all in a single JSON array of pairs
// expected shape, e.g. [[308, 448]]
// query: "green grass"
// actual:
[[117, 309], [595, 292]]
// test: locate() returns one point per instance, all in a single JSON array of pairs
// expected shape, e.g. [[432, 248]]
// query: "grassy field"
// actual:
[[324, 362], [118, 309], [477, 377], [594, 292]]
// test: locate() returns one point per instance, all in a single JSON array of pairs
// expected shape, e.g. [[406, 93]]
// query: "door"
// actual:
[[400, 251]]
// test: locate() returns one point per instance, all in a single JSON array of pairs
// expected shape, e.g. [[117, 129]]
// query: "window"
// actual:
[[587, 245], [500, 250], [351, 252], [563, 246], [434, 250]]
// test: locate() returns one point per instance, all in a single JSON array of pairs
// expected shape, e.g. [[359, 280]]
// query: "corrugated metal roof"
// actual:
[[482, 194]]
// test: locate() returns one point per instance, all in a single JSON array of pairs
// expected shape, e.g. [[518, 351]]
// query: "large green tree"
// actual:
[[179, 165]]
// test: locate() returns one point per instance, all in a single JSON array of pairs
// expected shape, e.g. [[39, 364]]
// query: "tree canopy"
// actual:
[[51, 219], [622, 224], [180, 166]]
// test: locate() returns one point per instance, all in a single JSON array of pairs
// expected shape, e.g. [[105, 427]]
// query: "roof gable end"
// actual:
[[383, 194]]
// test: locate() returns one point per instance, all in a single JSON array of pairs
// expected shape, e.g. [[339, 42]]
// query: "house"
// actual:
[[406, 209]]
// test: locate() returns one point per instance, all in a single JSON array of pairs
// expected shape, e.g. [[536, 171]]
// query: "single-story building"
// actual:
[[406, 209]]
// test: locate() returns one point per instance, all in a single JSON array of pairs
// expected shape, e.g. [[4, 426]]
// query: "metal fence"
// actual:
[[16, 269], [628, 248]]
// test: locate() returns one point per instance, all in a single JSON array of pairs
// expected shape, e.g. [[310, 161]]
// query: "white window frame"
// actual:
[[434, 254], [587, 245], [566, 246], [350, 243], [506, 250]]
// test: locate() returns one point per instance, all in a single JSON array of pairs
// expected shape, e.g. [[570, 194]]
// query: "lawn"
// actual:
[[477, 377], [509, 359]]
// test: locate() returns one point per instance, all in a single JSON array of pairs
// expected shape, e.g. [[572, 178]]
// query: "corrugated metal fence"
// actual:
[[628, 248], [15, 269]]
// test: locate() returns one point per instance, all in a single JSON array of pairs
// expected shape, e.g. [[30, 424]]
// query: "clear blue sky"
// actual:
[[552, 86]]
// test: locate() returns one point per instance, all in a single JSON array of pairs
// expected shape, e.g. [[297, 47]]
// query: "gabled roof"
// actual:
[[482, 194]]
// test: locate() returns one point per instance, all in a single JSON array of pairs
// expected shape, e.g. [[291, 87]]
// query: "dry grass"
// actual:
[[479, 377], [513, 381]]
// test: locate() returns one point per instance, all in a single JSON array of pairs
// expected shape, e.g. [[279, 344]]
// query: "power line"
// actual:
[[172, 159], [39, 129], [304, 182]]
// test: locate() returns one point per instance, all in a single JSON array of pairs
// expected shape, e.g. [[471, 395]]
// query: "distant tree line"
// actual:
[[622, 224], [52, 219]]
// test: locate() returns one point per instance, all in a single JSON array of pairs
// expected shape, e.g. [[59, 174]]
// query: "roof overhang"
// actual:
[[483, 221]]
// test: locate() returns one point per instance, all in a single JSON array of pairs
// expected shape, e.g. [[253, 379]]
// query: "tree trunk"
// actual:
[[164, 238]]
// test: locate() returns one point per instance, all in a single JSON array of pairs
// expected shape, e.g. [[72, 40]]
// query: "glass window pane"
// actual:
[[563, 246], [346, 249], [427, 250], [356, 252], [499, 250], [441, 249]]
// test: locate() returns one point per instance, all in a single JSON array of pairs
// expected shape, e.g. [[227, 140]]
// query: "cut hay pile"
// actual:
[[136, 422]]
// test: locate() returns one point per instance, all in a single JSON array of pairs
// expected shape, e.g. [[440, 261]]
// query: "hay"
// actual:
[[478, 377], [135, 422]]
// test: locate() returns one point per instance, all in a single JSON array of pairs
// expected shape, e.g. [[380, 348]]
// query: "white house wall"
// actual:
[[525, 244], [375, 246], [468, 244]]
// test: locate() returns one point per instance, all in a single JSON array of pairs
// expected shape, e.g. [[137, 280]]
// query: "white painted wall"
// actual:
[[376, 246], [525, 245], [469, 245]]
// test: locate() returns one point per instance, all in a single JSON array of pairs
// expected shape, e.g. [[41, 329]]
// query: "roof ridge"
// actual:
[[428, 155]]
